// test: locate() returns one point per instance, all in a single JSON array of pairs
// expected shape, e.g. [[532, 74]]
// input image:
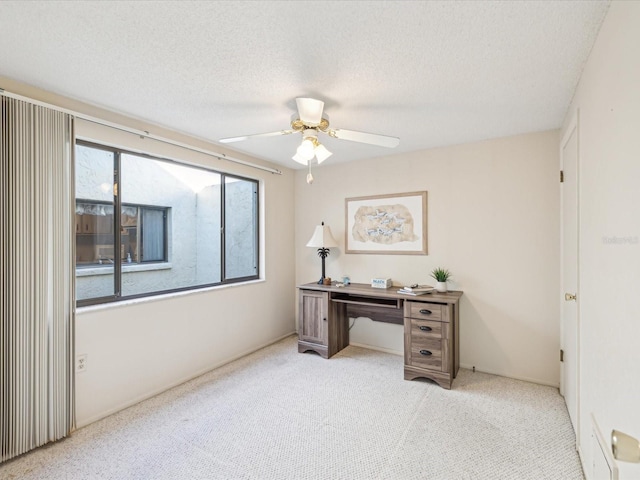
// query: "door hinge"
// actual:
[[561, 176], [561, 355]]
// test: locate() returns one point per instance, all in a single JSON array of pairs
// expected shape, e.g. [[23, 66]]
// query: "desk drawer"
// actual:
[[428, 311], [425, 329], [426, 353]]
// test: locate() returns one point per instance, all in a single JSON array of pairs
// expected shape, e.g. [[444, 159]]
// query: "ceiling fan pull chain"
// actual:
[[309, 176]]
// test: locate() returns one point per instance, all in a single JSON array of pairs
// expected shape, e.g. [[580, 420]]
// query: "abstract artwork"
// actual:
[[387, 224]]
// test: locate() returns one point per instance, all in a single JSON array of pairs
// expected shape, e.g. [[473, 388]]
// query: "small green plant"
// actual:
[[440, 274]]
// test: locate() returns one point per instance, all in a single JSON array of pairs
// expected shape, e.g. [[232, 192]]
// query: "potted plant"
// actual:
[[441, 276]]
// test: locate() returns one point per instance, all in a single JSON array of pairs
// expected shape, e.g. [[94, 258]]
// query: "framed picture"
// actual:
[[387, 224]]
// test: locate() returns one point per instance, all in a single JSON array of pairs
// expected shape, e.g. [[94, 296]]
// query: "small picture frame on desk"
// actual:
[[394, 224]]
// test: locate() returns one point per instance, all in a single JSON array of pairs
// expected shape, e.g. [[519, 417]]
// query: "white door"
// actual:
[[569, 325]]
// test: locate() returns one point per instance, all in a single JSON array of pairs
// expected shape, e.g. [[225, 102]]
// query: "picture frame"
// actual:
[[392, 224]]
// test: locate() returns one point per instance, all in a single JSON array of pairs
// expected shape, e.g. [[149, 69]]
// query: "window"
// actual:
[[95, 240], [180, 227]]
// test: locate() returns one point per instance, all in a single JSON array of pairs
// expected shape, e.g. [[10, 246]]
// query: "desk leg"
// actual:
[[338, 328]]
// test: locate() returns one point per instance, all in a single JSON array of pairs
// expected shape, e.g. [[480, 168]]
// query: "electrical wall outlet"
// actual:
[[81, 363]]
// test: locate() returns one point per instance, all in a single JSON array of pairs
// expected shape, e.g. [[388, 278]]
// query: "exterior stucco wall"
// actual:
[[208, 238], [145, 182]]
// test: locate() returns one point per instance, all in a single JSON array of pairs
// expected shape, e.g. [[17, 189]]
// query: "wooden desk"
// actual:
[[431, 324]]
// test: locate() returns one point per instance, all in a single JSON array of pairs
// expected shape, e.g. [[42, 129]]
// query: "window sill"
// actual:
[[165, 296], [108, 269]]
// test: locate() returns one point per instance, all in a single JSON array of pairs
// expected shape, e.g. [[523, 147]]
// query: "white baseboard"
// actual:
[[379, 349], [586, 471], [515, 377], [468, 367], [158, 391]]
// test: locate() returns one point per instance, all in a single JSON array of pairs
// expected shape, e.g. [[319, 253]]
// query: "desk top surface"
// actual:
[[366, 290]]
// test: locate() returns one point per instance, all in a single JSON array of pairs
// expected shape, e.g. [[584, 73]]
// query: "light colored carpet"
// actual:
[[277, 414]]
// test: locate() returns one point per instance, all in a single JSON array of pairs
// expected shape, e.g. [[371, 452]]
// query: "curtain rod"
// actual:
[[141, 133]]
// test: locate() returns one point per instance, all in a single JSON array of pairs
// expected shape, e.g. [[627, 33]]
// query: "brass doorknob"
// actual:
[[625, 447], [568, 297]]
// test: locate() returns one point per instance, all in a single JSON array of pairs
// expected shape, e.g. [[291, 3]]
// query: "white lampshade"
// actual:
[[322, 153], [305, 150], [322, 238], [300, 159]]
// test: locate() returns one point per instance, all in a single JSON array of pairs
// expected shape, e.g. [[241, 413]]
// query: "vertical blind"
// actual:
[[36, 276]]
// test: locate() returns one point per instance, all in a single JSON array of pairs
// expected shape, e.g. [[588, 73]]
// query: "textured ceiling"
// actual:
[[431, 73]]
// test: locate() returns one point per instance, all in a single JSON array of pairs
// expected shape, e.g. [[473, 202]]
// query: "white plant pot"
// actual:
[[441, 287]]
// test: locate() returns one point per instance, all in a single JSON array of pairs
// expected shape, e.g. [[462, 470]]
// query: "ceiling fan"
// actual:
[[311, 121]]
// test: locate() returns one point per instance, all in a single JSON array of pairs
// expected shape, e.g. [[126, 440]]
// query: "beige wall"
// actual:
[[139, 348], [493, 219], [608, 99]]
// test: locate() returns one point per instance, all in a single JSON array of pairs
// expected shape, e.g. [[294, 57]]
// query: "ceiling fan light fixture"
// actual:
[[306, 148], [300, 159], [322, 153]]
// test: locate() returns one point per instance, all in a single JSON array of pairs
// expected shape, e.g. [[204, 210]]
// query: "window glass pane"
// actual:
[[241, 228], [178, 211], [94, 223]]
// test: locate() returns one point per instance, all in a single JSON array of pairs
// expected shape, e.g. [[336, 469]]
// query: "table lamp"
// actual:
[[322, 240]]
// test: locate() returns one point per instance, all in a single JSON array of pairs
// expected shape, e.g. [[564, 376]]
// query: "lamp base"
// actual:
[[321, 281]]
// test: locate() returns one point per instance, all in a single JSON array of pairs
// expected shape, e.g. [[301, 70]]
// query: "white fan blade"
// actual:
[[362, 137], [247, 137], [310, 110]]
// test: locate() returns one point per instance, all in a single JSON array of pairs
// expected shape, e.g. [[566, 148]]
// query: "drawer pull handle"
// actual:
[[424, 311], [426, 353], [325, 319], [425, 328]]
